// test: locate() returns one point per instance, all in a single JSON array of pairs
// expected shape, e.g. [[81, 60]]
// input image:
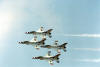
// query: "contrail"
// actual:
[[83, 35], [88, 49]]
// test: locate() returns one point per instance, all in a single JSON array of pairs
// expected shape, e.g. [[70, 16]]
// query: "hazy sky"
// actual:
[[74, 21]]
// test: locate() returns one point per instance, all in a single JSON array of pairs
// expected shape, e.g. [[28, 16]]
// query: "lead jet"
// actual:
[[56, 46], [34, 42], [41, 32], [49, 58]]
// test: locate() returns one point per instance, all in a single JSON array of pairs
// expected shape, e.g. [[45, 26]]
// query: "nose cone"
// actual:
[[33, 58], [26, 32], [19, 42]]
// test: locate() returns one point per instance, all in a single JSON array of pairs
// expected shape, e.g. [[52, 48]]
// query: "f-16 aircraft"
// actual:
[[41, 32], [56, 46], [49, 58], [34, 42]]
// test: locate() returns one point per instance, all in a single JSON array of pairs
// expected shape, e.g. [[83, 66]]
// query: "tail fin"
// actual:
[[56, 56], [49, 31], [64, 46], [42, 41], [49, 53]]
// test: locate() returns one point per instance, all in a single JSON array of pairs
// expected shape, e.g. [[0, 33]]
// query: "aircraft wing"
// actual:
[[48, 54], [34, 39], [50, 62], [56, 43], [40, 29]]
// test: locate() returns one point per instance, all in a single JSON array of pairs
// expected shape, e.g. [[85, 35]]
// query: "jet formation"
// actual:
[[41, 44]]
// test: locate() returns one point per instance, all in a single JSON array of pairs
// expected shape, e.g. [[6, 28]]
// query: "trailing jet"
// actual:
[[49, 58], [34, 42], [56, 46], [41, 32]]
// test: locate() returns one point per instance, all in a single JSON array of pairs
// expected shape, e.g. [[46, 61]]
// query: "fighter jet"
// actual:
[[41, 32], [56, 47], [49, 58], [34, 42]]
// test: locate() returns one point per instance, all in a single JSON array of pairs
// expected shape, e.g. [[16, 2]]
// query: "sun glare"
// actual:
[[5, 22], [5, 25]]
